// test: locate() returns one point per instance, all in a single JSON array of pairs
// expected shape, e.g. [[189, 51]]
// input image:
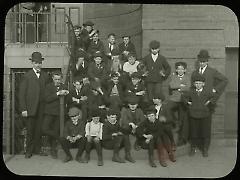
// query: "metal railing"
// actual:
[[37, 28]]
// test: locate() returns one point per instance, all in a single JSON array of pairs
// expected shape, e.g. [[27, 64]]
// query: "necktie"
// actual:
[[38, 73], [201, 70]]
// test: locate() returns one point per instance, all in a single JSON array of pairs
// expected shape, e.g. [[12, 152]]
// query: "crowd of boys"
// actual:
[[114, 96]]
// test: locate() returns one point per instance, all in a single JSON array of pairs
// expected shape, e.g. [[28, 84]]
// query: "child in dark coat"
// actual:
[[199, 101], [74, 135], [113, 137]]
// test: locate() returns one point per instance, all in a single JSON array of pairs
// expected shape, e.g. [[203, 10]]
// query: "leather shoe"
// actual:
[[28, 155], [172, 157], [67, 159], [163, 163]]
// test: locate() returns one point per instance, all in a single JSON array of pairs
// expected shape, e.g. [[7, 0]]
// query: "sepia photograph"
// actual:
[[120, 90]]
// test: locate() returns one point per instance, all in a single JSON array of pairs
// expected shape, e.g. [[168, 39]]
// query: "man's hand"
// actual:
[[96, 139], [140, 93], [24, 114], [89, 138], [102, 106], [114, 134], [214, 90], [83, 98], [125, 53], [162, 73], [145, 74], [162, 119], [120, 133], [189, 103], [207, 103], [75, 100]]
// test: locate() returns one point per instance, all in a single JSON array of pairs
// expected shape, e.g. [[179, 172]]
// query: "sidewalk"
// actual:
[[220, 162]]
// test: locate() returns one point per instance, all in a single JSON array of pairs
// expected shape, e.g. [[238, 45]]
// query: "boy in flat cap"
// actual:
[[180, 81], [125, 47], [97, 70], [157, 67], [166, 123], [74, 135], [136, 87], [78, 42], [148, 134], [198, 101], [214, 80], [51, 125], [97, 100], [114, 92], [87, 33], [93, 134], [113, 136], [31, 102], [130, 119]]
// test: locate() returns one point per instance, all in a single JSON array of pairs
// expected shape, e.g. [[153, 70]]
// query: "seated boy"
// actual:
[[179, 83], [137, 87], [131, 117], [97, 70], [94, 136], [78, 96], [115, 92], [199, 101], [131, 65], [80, 67], [113, 138], [161, 114], [73, 135], [97, 100]]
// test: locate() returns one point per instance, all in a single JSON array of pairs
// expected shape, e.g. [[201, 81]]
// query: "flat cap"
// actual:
[[154, 44], [74, 111], [198, 77], [88, 23]]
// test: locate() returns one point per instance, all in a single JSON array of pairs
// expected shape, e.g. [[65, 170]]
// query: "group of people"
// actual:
[[114, 96]]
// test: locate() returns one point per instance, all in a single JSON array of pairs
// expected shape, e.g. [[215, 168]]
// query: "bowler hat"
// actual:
[[97, 54], [203, 55], [180, 63], [198, 77], [88, 23], [154, 44], [132, 99], [74, 111], [37, 57]]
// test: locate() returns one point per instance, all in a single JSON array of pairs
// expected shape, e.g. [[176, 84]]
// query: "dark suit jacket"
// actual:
[[131, 89], [107, 50], [110, 85], [198, 109], [127, 116], [109, 129], [130, 48], [95, 47], [154, 68], [52, 100], [85, 91], [73, 130], [93, 71], [31, 91], [213, 79], [81, 71]]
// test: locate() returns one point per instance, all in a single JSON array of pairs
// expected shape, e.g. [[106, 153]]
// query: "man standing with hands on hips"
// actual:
[[31, 102]]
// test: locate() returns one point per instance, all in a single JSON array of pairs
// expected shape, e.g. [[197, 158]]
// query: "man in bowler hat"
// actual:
[[157, 67], [214, 81], [31, 102]]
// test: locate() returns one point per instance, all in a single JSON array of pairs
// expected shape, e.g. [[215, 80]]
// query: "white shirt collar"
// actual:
[[199, 90], [203, 69], [154, 57], [37, 74]]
